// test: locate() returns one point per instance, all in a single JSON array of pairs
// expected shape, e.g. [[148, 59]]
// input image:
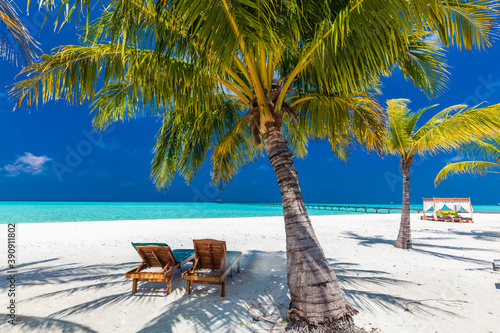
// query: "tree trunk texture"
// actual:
[[404, 236], [317, 303]]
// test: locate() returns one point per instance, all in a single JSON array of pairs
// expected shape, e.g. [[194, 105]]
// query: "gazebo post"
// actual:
[[424, 217], [434, 208], [471, 212]]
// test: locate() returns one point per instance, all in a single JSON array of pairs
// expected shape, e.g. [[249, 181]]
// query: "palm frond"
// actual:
[[136, 78], [475, 20], [66, 9], [398, 137], [342, 118], [297, 136], [471, 167], [461, 128], [437, 119], [397, 33], [424, 65], [185, 139], [234, 150], [486, 149], [336, 65], [414, 118], [15, 39]]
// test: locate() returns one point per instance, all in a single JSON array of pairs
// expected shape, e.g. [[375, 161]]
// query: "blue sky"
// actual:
[[51, 153]]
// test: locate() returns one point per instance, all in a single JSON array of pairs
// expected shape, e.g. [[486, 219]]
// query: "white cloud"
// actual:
[[28, 163], [263, 167], [454, 159], [109, 146]]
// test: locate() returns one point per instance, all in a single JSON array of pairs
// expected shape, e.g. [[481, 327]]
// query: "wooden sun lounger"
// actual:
[[162, 256], [445, 219], [455, 219], [213, 264]]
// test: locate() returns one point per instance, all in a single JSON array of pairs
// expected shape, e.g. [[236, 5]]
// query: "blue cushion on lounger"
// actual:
[[148, 244], [232, 255], [451, 216], [440, 216], [181, 254], [460, 216]]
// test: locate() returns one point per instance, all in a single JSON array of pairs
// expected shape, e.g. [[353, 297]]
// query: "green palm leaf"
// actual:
[[15, 39], [486, 149], [153, 82], [464, 127], [471, 167]]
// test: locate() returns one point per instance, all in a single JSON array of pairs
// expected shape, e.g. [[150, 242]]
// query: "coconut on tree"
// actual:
[[447, 131], [15, 39], [234, 78]]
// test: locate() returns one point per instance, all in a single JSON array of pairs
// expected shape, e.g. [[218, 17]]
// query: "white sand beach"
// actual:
[[71, 276]]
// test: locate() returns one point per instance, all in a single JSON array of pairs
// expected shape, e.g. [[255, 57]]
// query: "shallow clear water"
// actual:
[[58, 211]]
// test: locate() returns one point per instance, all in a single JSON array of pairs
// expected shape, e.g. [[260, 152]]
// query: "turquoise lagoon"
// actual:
[[60, 211]]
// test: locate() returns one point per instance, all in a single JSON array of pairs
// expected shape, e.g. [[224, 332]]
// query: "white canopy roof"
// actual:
[[462, 205]]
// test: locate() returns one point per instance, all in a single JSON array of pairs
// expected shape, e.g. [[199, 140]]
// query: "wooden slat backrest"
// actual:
[[157, 256], [210, 253]]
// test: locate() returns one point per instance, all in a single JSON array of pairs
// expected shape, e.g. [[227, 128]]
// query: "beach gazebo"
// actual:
[[460, 206]]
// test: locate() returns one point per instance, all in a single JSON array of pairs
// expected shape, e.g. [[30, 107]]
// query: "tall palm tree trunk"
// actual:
[[404, 236], [316, 297]]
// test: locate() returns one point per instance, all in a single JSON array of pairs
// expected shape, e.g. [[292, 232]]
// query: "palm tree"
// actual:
[[237, 77], [14, 37], [487, 149], [447, 131]]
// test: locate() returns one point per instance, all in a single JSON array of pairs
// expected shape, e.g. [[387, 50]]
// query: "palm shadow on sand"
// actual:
[[421, 247], [256, 298], [45, 324], [477, 234]]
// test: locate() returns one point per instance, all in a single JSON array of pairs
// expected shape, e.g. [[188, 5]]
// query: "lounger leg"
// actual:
[[223, 289], [188, 287], [134, 286], [239, 262]]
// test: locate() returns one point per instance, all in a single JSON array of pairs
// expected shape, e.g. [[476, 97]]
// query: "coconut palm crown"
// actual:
[[487, 150], [234, 78], [447, 131], [15, 39]]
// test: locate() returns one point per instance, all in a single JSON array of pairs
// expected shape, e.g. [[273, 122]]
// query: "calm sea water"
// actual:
[[53, 211]]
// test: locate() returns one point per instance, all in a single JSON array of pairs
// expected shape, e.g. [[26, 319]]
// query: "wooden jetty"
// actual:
[[342, 208]]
